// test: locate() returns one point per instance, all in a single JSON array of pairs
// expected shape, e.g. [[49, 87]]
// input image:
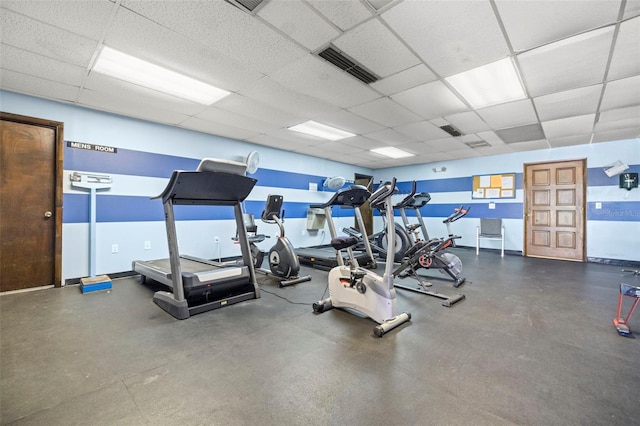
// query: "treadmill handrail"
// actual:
[[206, 188]]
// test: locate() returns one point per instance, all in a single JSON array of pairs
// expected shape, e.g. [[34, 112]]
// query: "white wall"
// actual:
[[606, 239]]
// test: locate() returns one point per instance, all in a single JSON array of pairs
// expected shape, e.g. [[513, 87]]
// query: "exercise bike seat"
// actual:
[[340, 243]]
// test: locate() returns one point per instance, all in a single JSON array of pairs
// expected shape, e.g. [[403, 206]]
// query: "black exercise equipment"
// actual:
[[199, 285], [626, 290], [414, 202], [283, 262], [352, 199], [326, 257], [431, 255]]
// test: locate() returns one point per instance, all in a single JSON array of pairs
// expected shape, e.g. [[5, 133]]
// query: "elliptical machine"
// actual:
[[283, 262], [357, 288]]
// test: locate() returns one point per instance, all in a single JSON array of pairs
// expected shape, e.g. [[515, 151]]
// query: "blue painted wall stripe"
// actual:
[[121, 208]]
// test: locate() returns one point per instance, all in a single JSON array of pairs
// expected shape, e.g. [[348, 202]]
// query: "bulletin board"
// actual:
[[494, 186]]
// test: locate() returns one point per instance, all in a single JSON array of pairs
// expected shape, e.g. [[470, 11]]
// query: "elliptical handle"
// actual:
[[383, 192]]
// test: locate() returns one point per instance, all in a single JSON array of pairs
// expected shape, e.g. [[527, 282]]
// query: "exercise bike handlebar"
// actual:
[[459, 213], [408, 200], [383, 192]]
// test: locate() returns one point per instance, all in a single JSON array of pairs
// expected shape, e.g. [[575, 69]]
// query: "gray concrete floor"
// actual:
[[532, 344]]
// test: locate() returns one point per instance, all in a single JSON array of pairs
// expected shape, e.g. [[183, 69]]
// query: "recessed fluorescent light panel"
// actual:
[[320, 130], [392, 152], [490, 84], [129, 68]]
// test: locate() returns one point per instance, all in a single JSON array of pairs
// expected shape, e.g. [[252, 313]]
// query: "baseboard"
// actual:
[[617, 262]]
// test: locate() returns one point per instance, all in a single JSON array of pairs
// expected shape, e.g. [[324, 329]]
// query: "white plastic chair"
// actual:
[[490, 229]]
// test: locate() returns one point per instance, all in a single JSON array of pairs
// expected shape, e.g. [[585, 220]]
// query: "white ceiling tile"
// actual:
[[221, 27], [259, 111], [85, 18], [632, 8], [273, 142], [467, 122], [385, 112], [282, 98], [571, 102], [390, 137], [580, 125], [130, 106], [450, 37], [406, 79], [315, 77], [345, 120], [465, 152], [129, 92], [194, 123], [220, 116], [534, 23], [363, 142], [447, 145], [432, 157], [624, 62], [422, 131], [617, 135], [143, 38], [45, 39], [492, 150], [296, 138], [619, 114], [529, 145], [36, 86], [570, 140], [430, 100], [491, 138], [343, 14], [625, 123], [375, 47], [583, 62], [511, 114], [29, 63], [343, 149], [621, 93], [298, 21]]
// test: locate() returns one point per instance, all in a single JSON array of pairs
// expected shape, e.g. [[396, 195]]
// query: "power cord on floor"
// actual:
[[296, 303]]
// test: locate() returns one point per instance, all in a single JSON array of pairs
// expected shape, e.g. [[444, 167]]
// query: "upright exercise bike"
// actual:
[[414, 202], [433, 254], [357, 288]]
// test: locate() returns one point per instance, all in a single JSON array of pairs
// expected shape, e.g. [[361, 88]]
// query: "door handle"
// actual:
[[48, 214]]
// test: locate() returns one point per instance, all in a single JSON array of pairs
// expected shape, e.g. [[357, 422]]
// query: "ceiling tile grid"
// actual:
[[579, 62]]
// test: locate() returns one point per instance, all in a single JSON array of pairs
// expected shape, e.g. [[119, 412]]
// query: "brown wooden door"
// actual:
[[554, 210], [30, 202]]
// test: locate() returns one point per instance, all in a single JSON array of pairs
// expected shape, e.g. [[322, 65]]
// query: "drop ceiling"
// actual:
[[579, 62]]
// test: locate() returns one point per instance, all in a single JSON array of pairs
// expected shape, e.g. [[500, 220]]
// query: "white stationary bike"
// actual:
[[357, 288]]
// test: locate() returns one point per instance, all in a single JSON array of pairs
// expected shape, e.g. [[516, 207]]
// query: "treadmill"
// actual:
[[326, 257], [199, 285]]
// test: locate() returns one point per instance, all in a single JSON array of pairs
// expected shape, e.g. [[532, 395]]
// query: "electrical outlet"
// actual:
[[114, 248], [147, 245]]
